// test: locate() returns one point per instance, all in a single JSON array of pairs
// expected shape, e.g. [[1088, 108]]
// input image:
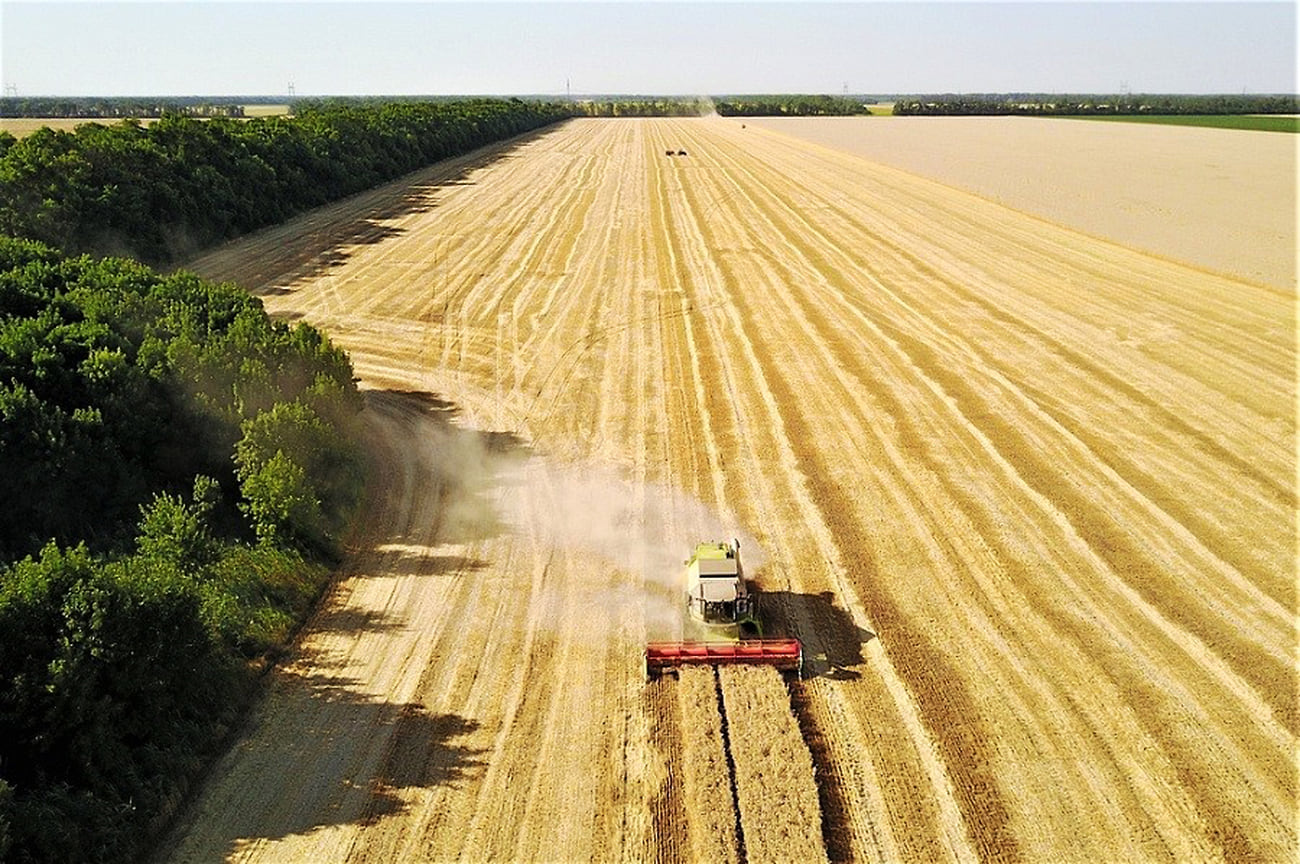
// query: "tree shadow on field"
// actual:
[[832, 641], [419, 452], [420, 754], [317, 752], [321, 746], [333, 232], [832, 649]]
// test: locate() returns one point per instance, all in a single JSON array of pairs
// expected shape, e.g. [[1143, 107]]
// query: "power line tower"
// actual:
[[11, 91], [291, 92]]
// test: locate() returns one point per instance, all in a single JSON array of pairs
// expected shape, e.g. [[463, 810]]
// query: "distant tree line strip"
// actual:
[[178, 470], [1048, 104], [789, 106], [727, 106], [646, 106], [794, 104], [90, 107], [160, 192]]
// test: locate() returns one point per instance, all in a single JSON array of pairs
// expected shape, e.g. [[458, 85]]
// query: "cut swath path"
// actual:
[[775, 786], [710, 805]]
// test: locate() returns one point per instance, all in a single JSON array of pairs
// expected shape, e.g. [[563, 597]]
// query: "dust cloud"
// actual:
[[626, 542], [643, 531]]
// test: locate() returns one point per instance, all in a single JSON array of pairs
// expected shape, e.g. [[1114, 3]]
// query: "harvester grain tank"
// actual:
[[721, 601], [717, 594]]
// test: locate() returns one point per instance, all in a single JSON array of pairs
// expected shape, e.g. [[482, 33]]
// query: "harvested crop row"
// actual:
[[775, 786], [668, 840], [707, 782]]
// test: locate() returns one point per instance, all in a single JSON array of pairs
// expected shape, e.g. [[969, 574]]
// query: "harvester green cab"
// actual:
[[717, 593]]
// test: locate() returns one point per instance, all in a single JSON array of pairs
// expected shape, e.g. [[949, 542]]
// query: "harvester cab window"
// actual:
[[720, 610]]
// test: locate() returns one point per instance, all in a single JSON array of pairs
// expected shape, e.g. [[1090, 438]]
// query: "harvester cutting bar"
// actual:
[[781, 653]]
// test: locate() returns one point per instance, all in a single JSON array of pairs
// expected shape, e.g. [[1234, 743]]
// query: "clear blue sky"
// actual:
[[345, 48]]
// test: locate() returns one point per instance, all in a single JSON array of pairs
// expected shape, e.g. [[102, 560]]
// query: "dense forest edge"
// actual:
[[181, 469], [162, 191]]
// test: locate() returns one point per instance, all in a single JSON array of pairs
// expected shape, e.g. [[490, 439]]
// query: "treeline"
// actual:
[[793, 106], [162, 191], [178, 469], [663, 106], [1046, 104], [72, 107], [727, 106]]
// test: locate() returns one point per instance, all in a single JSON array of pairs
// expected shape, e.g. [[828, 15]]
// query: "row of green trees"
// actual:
[[649, 106], [1047, 104], [116, 106], [790, 105], [178, 470], [728, 106], [162, 191]]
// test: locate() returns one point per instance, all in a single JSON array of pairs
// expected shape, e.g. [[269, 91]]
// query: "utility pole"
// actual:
[[568, 93]]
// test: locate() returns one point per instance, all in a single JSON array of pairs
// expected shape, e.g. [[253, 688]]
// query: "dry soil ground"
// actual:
[[1028, 497]]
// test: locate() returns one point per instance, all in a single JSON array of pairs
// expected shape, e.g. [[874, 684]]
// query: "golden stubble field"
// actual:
[[1222, 199], [1028, 497], [21, 127]]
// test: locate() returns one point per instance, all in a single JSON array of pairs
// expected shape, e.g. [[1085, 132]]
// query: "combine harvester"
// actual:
[[720, 600]]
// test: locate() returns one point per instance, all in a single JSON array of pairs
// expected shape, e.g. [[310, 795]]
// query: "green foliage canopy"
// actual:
[[143, 416], [119, 380], [789, 106]]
